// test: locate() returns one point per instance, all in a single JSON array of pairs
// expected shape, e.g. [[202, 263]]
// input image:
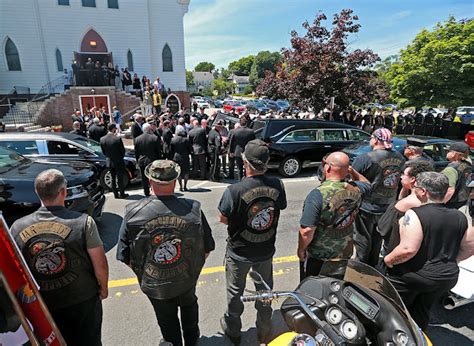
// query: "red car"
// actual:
[[469, 139], [230, 105]]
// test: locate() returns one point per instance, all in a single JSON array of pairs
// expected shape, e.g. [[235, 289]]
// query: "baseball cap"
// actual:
[[385, 136], [257, 153], [459, 147], [162, 171]]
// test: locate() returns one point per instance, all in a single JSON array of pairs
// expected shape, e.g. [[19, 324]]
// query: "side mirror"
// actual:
[[257, 279]]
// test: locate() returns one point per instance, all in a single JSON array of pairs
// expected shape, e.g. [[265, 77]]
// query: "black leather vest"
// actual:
[[167, 250], [252, 229], [54, 246], [384, 175], [461, 193]]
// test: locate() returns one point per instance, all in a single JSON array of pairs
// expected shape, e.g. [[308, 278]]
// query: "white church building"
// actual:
[[41, 38]]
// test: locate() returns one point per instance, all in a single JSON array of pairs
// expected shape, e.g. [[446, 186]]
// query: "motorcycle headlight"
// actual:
[[303, 340]]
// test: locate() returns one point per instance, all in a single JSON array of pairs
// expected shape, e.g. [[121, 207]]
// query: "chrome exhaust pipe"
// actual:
[[453, 301]]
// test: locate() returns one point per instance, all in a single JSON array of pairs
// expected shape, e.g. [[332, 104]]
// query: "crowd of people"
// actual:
[[389, 210]]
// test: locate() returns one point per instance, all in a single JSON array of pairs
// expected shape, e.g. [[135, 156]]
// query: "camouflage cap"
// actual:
[[162, 171]]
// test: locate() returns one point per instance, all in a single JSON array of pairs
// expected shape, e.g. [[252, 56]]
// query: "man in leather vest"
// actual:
[[250, 209], [147, 149], [433, 239], [459, 172], [65, 255], [383, 168], [326, 226], [165, 240]]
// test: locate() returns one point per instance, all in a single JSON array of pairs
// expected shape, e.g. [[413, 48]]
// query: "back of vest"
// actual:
[[252, 228], [167, 251], [443, 230], [384, 175], [54, 246], [461, 193], [333, 236]]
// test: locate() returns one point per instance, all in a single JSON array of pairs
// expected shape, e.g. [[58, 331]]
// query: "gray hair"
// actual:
[[48, 184], [435, 183], [147, 127], [96, 120], [180, 130]]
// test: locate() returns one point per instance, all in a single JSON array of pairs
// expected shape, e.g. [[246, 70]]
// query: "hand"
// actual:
[[302, 255], [103, 292], [387, 264]]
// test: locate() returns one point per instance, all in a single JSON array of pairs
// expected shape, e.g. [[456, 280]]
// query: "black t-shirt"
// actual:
[[252, 207]]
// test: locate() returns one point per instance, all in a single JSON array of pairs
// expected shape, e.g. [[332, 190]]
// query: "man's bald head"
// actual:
[[336, 166]]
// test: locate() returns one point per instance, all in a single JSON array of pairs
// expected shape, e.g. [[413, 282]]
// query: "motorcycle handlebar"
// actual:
[[259, 297]]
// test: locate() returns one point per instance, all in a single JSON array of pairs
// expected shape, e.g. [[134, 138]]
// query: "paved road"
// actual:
[[129, 318]]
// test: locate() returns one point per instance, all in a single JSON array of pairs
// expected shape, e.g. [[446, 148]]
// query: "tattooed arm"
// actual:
[[411, 236]]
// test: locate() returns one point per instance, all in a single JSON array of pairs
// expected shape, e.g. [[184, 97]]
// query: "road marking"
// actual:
[[205, 271], [199, 185]]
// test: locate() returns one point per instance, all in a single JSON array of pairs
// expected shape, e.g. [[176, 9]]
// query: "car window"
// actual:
[[356, 135], [333, 135], [22, 147], [300, 136], [62, 148], [435, 151]]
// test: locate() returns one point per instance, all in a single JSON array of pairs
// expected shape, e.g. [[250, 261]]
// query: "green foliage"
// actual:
[[437, 68], [205, 67], [264, 61], [189, 78], [248, 90], [242, 66], [222, 86], [207, 91]]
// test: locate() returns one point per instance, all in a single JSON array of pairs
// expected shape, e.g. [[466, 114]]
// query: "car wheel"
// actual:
[[106, 179], [290, 167]]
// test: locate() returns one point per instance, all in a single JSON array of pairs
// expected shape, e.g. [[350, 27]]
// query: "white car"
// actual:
[[464, 110], [202, 103]]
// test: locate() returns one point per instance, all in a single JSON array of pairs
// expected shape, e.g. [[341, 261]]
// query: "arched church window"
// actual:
[[130, 60], [13, 58], [59, 60], [167, 57]]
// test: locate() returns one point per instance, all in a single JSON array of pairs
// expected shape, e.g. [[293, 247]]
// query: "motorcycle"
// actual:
[[349, 303]]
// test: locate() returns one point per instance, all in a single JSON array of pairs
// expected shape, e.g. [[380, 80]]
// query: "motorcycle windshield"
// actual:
[[368, 277]]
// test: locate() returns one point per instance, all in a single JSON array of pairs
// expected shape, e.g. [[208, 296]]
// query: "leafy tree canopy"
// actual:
[[242, 66], [205, 67], [437, 67], [264, 61], [189, 78], [319, 66]]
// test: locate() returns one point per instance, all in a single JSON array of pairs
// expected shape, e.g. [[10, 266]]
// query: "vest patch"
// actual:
[[391, 173], [260, 191]]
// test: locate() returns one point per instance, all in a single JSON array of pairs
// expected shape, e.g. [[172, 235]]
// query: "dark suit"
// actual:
[[136, 130], [237, 142], [167, 137], [214, 147], [96, 132], [112, 147], [198, 141], [147, 150]]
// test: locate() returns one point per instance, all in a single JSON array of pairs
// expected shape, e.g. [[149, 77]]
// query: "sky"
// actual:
[[221, 31]]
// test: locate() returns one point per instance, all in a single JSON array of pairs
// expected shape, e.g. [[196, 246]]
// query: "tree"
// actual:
[[437, 67], [264, 61], [319, 66], [189, 79], [205, 67], [222, 86], [242, 66]]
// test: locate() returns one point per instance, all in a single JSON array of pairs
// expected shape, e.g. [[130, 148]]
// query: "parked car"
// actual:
[[230, 105], [217, 103], [257, 106], [464, 110], [283, 105], [436, 149], [17, 192], [59, 147], [202, 103], [272, 105], [295, 144]]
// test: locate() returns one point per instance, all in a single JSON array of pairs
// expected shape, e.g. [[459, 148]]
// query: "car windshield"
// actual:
[[466, 109], [89, 143], [10, 159]]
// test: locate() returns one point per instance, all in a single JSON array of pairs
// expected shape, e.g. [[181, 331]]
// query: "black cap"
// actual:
[[416, 142], [257, 153], [459, 147], [111, 127]]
